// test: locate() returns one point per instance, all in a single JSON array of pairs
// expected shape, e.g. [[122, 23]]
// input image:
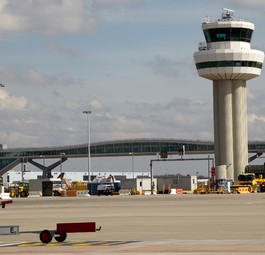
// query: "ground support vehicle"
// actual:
[[105, 185], [201, 189], [79, 185], [261, 183], [4, 202], [59, 184], [246, 183], [19, 189], [60, 234], [105, 189]]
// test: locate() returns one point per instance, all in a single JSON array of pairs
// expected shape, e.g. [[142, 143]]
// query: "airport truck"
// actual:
[[105, 189]]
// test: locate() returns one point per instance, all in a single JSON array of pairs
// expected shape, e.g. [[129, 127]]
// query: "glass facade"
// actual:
[[229, 63], [228, 34], [119, 148]]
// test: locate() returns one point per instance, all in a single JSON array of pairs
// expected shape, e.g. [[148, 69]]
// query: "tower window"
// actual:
[[221, 37], [230, 63], [228, 34]]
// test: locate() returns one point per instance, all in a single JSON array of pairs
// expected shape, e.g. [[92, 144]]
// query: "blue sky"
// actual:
[[128, 61]]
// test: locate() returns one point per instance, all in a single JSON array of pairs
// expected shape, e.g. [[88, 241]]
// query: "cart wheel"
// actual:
[[3, 205], [45, 236], [60, 237]]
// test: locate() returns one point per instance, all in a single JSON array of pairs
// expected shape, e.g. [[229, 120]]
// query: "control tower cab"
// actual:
[[227, 59]]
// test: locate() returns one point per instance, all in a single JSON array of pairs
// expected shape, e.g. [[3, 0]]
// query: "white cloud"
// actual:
[[31, 123], [251, 4], [96, 104], [110, 3], [164, 66], [32, 77], [3, 4], [255, 118], [53, 17], [37, 117], [12, 103], [61, 49], [180, 118], [49, 16], [72, 105]]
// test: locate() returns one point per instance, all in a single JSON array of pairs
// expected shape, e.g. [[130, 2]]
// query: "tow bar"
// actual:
[[59, 234]]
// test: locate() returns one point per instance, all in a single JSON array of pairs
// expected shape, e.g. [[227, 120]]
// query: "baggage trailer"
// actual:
[[4, 202], [59, 234]]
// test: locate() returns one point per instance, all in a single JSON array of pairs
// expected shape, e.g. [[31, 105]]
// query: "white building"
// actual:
[[14, 176], [176, 182], [139, 185]]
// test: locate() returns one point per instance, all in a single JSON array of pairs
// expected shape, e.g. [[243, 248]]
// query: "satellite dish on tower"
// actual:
[[227, 14]]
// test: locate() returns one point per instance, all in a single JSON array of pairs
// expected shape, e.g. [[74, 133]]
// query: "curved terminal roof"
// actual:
[[113, 148], [138, 147]]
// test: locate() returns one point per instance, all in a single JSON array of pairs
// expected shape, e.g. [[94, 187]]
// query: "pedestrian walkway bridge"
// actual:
[[9, 158]]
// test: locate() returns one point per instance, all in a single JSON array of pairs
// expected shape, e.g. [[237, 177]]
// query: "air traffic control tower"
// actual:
[[227, 59]]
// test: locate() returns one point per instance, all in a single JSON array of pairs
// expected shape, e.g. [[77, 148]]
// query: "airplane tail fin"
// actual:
[[60, 176]]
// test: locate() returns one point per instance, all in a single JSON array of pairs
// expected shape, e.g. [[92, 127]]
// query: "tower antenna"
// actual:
[[227, 14]]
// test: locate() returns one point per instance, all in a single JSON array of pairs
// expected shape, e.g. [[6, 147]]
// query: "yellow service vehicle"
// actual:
[[261, 183], [79, 185], [247, 183], [19, 189], [201, 189]]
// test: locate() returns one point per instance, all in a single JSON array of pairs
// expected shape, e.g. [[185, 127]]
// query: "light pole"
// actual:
[[22, 170], [43, 159], [61, 168], [88, 144], [131, 153]]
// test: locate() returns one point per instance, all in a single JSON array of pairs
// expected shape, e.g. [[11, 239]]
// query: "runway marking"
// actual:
[[85, 243], [9, 244]]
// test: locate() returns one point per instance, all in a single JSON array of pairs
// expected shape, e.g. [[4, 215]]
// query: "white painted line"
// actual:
[[10, 244]]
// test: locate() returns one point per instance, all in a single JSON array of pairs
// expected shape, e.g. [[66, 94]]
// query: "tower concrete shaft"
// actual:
[[227, 60], [230, 125]]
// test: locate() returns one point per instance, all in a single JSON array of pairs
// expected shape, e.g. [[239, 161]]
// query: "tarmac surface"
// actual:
[[154, 224]]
